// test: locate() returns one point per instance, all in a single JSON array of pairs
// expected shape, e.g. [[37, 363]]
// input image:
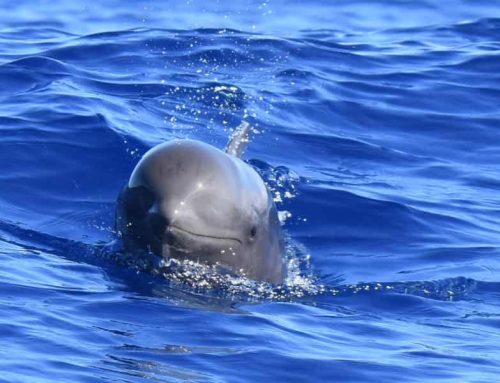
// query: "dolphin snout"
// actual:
[[182, 242]]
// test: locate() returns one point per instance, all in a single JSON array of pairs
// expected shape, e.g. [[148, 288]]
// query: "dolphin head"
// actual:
[[188, 200]]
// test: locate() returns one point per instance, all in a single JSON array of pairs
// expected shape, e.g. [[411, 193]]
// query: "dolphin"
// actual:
[[188, 200]]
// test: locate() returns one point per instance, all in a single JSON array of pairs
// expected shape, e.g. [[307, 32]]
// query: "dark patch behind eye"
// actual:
[[157, 225], [138, 201]]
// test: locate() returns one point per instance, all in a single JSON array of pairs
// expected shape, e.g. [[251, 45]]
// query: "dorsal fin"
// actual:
[[239, 140]]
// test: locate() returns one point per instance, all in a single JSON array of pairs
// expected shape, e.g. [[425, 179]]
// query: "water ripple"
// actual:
[[376, 134]]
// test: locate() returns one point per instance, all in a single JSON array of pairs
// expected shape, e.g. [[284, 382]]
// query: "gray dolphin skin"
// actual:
[[191, 201]]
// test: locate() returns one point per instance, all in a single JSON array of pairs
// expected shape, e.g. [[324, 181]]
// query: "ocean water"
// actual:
[[377, 128]]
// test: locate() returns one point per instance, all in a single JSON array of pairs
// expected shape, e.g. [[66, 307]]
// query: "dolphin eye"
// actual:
[[253, 231]]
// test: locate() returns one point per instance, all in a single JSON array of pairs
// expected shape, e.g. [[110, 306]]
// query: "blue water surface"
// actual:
[[377, 128]]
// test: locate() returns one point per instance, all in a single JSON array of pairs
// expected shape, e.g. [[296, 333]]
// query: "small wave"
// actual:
[[29, 74], [216, 281]]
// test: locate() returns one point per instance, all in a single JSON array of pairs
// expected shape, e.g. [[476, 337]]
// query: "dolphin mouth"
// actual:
[[174, 228]]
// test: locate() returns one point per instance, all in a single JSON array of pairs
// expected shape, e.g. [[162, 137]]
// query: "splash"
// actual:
[[301, 281], [218, 280], [449, 289], [282, 184]]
